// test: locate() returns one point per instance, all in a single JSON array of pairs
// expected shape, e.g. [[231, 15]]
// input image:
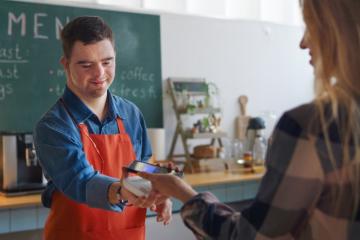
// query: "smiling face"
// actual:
[[90, 69]]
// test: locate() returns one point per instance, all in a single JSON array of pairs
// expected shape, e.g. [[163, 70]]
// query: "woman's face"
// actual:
[[305, 43]]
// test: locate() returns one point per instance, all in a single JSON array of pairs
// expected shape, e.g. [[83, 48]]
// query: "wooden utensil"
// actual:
[[242, 121]]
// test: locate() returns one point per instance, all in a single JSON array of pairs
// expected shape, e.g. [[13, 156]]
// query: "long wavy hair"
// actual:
[[334, 31]]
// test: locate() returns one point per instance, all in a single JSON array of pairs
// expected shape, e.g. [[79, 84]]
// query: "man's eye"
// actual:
[[107, 62], [86, 65]]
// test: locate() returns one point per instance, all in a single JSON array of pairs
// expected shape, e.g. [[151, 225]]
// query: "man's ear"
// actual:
[[65, 62]]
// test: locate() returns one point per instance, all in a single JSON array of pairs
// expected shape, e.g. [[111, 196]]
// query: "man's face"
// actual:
[[90, 69]]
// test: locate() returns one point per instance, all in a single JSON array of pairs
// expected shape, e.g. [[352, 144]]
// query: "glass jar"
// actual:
[[259, 150], [236, 150], [248, 159]]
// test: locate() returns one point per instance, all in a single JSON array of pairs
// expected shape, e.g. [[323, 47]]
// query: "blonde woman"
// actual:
[[311, 187]]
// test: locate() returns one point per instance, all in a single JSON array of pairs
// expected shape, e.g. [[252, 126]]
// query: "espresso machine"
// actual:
[[20, 172]]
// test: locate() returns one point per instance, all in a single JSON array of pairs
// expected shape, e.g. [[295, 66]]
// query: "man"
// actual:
[[86, 138]]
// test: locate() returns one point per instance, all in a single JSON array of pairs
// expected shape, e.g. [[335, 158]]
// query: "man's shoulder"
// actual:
[[56, 118], [123, 105]]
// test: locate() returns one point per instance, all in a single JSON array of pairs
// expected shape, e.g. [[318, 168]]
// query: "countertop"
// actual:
[[20, 201], [195, 180]]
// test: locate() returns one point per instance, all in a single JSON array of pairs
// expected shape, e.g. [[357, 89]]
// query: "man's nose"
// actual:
[[99, 70]]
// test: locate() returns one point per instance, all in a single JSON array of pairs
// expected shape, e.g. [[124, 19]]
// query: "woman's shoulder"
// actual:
[[300, 121]]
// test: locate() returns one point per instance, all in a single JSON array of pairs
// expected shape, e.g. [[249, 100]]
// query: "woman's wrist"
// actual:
[[186, 194]]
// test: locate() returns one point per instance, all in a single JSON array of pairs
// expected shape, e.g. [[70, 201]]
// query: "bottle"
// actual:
[[248, 159], [255, 127], [259, 149], [222, 153]]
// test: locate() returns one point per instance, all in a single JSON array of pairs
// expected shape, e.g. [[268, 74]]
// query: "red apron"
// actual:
[[74, 221]]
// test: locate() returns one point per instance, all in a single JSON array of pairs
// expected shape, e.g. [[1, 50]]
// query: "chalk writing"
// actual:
[[10, 53], [9, 60], [38, 25], [9, 72], [13, 19], [60, 73], [137, 74], [58, 90], [5, 89], [141, 93]]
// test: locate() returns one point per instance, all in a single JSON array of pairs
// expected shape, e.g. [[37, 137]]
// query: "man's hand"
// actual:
[[164, 212], [142, 202]]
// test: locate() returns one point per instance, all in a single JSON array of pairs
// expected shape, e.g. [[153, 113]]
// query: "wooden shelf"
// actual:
[[189, 134], [208, 110], [198, 87]]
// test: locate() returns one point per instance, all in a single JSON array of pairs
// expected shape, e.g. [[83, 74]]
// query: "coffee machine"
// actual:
[[20, 172]]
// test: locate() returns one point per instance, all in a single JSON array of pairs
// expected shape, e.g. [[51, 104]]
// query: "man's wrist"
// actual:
[[119, 196], [114, 193]]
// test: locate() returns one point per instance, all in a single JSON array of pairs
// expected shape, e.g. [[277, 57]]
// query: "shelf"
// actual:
[[189, 134], [208, 110], [191, 107]]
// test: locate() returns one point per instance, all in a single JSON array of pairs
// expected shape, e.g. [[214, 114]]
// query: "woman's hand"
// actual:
[[170, 185]]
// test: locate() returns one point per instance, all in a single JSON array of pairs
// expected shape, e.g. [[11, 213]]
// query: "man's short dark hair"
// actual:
[[87, 29]]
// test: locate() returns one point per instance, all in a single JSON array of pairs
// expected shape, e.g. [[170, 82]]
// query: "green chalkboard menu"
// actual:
[[32, 79]]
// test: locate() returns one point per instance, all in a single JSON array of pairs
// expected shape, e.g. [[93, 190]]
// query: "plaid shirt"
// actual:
[[295, 196]]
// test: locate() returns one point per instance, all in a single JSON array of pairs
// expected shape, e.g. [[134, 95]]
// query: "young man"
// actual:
[[86, 138]]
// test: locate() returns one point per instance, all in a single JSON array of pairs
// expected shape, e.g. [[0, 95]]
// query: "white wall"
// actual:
[[167, 5], [246, 9], [207, 7], [260, 60], [278, 11], [125, 3]]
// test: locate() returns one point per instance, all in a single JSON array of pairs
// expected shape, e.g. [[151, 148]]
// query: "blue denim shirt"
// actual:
[[60, 150]]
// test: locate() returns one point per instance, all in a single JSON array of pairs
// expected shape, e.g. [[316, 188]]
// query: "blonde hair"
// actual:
[[334, 31]]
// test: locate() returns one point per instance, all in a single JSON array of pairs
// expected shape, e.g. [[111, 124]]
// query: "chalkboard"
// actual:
[[32, 79]]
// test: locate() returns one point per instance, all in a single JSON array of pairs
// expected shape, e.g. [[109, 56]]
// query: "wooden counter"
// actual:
[[23, 213], [195, 180], [216, 178], [20, 201]]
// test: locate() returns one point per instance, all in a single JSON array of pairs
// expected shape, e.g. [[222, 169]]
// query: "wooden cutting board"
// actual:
[[242, 121]]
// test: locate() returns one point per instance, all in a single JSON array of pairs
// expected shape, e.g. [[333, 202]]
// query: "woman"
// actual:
[[311, 187]]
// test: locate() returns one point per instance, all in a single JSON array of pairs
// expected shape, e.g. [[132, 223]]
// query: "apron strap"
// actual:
[[121, 126]]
